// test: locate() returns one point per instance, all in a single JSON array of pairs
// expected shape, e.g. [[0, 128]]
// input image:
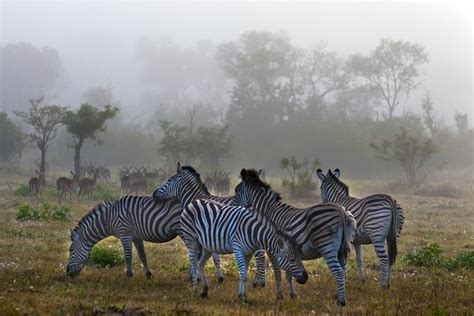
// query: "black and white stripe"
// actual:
[[378, 217], [211, 227], [186, 185], [131, 219], [323, 230]]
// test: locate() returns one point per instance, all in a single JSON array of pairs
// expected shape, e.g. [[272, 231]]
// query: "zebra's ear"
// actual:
[[337, 173], [320, 175], [243, 174], [74, 235], [179, 169], [261, 171]]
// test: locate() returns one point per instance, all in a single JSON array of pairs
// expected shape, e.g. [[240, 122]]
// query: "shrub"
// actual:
[[44, 212], [107, 256], [431, 256], [25, 212], [102, 193], [22, 191]]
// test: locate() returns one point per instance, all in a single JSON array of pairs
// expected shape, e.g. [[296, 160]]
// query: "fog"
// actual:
[[195, 71], [97, 41]]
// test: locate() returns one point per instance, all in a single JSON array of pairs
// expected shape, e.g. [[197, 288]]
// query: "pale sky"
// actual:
[[96, 40]]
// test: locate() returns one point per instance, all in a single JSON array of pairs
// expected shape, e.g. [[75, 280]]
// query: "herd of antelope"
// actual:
[[133, 180]]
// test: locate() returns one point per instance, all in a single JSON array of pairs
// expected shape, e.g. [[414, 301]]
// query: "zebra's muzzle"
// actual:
[[303, 278]]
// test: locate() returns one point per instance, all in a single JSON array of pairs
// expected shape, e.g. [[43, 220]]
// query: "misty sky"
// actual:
[[97, 40]]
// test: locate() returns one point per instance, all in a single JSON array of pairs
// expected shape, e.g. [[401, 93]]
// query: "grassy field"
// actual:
[[33, 280]]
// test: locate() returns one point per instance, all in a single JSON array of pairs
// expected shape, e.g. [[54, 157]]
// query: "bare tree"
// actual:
[[392, 69], [45, 122]]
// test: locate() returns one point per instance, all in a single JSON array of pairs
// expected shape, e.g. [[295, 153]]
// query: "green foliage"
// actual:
[[208, 145], [44, 212], [301, 183], [102, 193], [431, 256], [107, 256], [22, 191], [408, 150], [11, 140]]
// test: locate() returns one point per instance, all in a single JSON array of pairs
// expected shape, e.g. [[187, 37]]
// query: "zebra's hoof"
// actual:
[[243, 298], [129, 274], [341, 303], [362, 280], [386, 286], [203, 295], [148, 275], [258, 284], [220, 280], [279, 296], [293, 295]]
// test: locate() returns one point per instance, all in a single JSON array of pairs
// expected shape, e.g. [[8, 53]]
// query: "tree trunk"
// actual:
[[43, 160], [77, 158]]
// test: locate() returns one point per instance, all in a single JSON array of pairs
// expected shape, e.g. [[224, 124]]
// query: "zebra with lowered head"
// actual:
[[186, 185], [323, 230], [211, 227], [132, 219], [378, 217]]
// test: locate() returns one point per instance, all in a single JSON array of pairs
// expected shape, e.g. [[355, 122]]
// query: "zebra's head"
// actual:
[[332, 188], [250, 187], [79, 253], [186, 179], [285, 251]]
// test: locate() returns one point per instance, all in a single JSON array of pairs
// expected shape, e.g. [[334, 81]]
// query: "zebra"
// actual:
[[187, 186], [378, 217], [323, 230], [131, 219], [212, 227]]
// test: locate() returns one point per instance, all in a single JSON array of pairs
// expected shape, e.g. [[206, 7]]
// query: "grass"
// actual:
[[33, 255]]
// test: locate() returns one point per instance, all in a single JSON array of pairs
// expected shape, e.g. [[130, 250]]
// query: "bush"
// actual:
[[431, 256], [44, 212], [107, 256], [22, 191], [102, 193]]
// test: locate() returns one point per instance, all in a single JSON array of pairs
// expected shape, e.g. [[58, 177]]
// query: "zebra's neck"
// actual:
[[191, 192], [95, 225]]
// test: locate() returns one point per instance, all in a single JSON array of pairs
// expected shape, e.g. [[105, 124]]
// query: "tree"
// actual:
[[99, 96], [87, 123], [461, 123], [45, 122], [301, 183], [30, 71], [391, 69], [410, 151], [12, 140]]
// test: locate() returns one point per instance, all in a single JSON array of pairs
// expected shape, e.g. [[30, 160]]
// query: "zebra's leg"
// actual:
[[127, 249], [260, 276], [201, 268], [291, 284], [384, 265], [338, 273], [217, 263], [193, 249], [277, 272], [358, 250], [142, 255], [243, 265]]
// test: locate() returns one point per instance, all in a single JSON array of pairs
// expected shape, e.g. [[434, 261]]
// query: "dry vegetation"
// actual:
[[33, 280]]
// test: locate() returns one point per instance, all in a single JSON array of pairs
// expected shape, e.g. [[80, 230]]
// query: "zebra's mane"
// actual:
[[254, 179], [97, 210], [338, 181], [198, 176]]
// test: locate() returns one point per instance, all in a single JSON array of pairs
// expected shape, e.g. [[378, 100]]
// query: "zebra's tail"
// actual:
[[349, 227], [392, 235]]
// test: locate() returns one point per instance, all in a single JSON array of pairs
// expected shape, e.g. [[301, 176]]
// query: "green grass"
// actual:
[[33, 255]]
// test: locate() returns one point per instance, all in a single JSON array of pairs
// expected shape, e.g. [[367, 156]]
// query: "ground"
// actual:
[[33, 280]]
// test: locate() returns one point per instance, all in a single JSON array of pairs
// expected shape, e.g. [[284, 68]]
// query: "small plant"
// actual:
[[44, 212], [22, 191], [431, 256], [301, 183], [107, 256], [102, 193], [25, 212]]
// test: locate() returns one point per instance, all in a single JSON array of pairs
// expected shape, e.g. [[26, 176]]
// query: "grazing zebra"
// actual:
[[131, 219], [323, 230], [212, 227], [378, 217], [186, 185]]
